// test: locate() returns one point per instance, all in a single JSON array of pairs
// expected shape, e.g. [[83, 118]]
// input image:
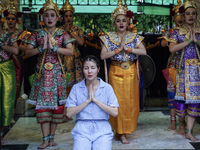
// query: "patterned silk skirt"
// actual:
[[7, 91], [126, 88], [188, 83], [50, 90]]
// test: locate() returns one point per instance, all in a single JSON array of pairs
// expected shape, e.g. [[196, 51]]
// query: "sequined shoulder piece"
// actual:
[[18, 32], [197, 30], [59, 32], [104, 40], [139, 40], [40, 32], [114, 38], [165, 35], [176, 28], [5, 35], [182, 30]]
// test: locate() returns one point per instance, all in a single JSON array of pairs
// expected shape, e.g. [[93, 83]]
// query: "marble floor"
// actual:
[[151, 133]]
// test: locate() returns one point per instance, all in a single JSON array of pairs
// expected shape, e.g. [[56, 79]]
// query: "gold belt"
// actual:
[[192, 61], [123, 65], [48, 66]]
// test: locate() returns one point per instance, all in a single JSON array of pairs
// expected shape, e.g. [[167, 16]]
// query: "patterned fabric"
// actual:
[[50, 89], [171, 60], [111, 42], [166, 35], [7, 80], [73, 63], [183, 109], [46, 115], [18, 59], [7, 91], [188, 81], [170, 96], [7, 38], [171, 64], [124, 82]]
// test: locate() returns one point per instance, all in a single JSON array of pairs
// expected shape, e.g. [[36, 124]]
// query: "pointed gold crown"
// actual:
[[51, 5], [176, 8], [190, 3], [11, 9], [120, 10], [67, 6], [1, 7]]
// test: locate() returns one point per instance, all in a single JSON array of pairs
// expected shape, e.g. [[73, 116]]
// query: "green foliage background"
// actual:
[[145, 23]]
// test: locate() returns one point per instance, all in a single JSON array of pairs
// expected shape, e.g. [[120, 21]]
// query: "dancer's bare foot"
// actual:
[[12, 121], [124, 139], [117, 136], [44, 145], [191, 137], [173, 125], [52, 143], [181, 130]]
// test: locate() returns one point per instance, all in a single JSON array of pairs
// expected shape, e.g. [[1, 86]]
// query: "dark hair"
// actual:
[[91, 58]]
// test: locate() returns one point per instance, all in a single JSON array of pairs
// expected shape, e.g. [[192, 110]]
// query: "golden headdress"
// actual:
[[67, 6], [176, 8], [2, 13], [49, 5], [120, 10], [1, 7], [190, 3], [12, 10]]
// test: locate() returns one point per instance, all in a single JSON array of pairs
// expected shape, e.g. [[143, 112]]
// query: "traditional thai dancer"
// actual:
[[164, 40], [186, 41], [48, 91], [123, 48], [13, 17], [72, 63], [8, 46], [92, 100]]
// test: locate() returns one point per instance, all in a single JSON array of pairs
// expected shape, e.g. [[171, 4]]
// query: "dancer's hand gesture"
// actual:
[[49, 42], [122, 44], [194, 39], [67, 27], [45, 42]]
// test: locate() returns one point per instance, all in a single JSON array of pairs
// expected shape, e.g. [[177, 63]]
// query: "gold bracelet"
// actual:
[[189, 41], [129, 49], [116, 51], [198, 42]]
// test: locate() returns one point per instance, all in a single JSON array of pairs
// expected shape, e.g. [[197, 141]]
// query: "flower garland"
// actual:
[[93, 45], [2, 18], [90, 38], [152, 45]]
